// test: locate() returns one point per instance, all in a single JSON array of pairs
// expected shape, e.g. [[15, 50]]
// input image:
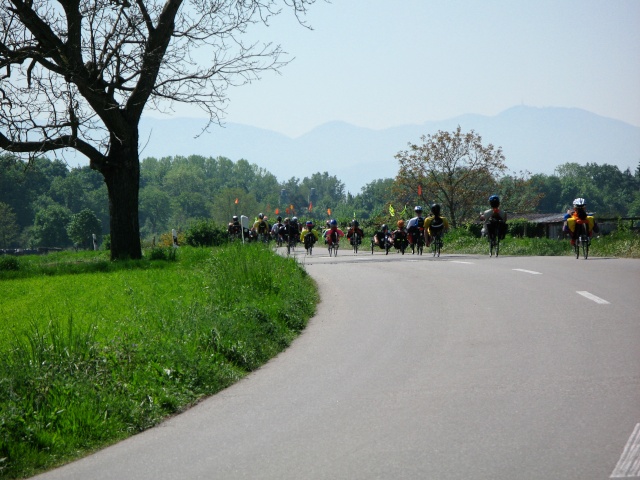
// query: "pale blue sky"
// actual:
[[382, 63]]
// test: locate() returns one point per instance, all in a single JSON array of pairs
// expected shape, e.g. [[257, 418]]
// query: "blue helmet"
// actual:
[[494, 200], [333, 222]]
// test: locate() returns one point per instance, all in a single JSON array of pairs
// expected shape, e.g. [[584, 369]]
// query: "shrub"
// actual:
[[205, 233], [162, 253], [520, 227], [9, 263]]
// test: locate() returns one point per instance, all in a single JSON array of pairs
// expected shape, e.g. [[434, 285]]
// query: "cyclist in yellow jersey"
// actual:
[[435, 223]]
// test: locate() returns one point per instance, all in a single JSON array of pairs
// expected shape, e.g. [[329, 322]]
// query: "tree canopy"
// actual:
[[78, 76], [453, 169]]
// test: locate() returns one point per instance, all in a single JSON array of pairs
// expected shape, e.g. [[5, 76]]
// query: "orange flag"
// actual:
[[329, 211], [419, 190], [310, 206], [236, 202], [277, 211]]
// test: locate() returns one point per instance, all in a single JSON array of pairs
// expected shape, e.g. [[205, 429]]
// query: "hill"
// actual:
[[532, 139]]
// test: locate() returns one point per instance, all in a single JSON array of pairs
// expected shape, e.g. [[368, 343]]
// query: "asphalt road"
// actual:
[[458, 367]]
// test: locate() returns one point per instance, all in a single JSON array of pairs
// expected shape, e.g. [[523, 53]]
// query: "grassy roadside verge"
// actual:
[[620, 244], [93, 351]]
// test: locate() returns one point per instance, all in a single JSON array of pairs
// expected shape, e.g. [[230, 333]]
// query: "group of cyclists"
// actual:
[[418, 232]]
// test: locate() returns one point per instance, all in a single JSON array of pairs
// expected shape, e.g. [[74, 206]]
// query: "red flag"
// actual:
[[236, 202], [310, 206], [287, 210], [419, 190], [277, 211]]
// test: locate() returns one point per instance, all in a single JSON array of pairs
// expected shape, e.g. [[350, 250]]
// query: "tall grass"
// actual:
[[81, 368]]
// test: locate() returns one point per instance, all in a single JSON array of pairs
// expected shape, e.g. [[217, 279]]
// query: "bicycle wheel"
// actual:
[[497, 246], [492, 244], [585, 246]]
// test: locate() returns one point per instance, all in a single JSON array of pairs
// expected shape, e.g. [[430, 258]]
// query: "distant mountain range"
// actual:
[[532, 139]]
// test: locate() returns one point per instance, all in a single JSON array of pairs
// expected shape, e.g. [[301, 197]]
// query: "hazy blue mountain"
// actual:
[[532, 139]]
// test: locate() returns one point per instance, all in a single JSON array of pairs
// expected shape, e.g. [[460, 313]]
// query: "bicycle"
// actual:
[[494, 238], [418, 242], [437, 243], [582, 240], [386, 246], [334, 244], [291, 243], [355, 238], [309, 240], [400, 243]]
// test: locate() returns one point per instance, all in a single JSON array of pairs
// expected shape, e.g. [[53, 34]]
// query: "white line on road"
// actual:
[[527, 271], [629, 463], [460, 261], [591, 296]]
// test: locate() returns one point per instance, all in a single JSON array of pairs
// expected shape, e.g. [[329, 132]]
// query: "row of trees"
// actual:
[[39, 199], [43, 203]]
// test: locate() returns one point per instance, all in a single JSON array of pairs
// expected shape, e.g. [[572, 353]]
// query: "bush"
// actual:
[[205, 233], [9, 263], [162, 253], [521, 228]]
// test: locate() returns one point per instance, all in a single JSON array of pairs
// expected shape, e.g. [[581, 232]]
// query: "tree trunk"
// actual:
[[122, 175]]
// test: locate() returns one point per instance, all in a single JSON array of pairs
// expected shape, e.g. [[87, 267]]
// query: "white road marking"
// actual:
[[629, 463], [460, 261], [592, 297], [527, 271]]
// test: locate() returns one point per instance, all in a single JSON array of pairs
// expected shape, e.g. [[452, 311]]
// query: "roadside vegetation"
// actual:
[[623, 244], [93, 351]]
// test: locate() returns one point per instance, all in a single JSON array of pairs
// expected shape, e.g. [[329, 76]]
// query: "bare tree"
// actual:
[[76, 75], [451, 168]]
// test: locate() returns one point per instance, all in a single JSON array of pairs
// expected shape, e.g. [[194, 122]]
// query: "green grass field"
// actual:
[[93, 351]]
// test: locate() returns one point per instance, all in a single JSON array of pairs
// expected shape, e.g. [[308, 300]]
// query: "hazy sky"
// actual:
[[382, 63]]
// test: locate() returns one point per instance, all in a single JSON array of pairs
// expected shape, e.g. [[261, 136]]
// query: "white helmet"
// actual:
[[579, 202]]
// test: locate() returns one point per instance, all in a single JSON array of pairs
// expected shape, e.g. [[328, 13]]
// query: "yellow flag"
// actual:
[[392, 212]]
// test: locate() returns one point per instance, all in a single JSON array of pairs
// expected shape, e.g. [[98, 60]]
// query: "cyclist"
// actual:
[[580, 216], [379, 237], [288, 232], [261, 227], [275, 230], [295, 226], [399, 235], [415, 225], [355, 228], [435, 223], [327, 226], [334, 233], [494, 218], [309, 235], [234, 227]]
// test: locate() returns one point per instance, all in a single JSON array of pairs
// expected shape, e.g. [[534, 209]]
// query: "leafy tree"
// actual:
[[225, 206], [155, 208], [82, 227], [550, 188], [50, 226], [374, 197], [518, 193], [451, 168], [78, 75], [8, 226]]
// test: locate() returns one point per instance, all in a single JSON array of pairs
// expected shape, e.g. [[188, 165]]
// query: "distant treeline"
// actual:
[[40, 199]]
